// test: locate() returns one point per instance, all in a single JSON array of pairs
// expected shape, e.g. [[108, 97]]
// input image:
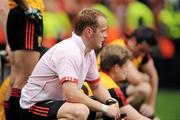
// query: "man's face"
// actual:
[[142, 48], [122, 72], [139, 48], [100, 35]]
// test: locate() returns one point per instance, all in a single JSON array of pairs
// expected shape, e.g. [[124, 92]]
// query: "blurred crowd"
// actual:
[[123, 17]]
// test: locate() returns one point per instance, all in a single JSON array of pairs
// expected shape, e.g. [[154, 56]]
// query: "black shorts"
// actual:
[[45, 110], [24, 33]]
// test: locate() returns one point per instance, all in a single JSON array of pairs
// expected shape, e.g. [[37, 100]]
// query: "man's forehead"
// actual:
[[102, 22]]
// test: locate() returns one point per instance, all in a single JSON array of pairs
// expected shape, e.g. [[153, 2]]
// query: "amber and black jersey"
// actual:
[[113, 88]]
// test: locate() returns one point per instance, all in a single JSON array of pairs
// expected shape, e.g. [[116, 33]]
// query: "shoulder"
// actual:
[[67, 46], [107, 81], [66, 50]]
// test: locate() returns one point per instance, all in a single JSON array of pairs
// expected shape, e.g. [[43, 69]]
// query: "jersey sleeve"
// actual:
[[93, 74], [67, 67]]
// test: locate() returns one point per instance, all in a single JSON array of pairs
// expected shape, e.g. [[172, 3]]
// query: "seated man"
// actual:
[[114, 65], [53, 89]]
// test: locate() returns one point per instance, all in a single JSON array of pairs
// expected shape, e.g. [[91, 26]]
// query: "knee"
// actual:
[[144, 89], [73, 111], [82, 112]]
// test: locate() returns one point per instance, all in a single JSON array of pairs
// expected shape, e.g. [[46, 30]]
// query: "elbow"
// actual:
[[71, 96], [155, 78]]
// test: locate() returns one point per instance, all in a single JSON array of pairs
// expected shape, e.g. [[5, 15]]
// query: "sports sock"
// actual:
[[7, 110], [14, 103]]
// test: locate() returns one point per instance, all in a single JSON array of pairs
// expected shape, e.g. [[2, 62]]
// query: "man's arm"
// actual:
[[135, 76], [3, 19], [125, 108], [99, 92], [74, 95], [132, 114], [3, 13], [148, 108], [150, 69]]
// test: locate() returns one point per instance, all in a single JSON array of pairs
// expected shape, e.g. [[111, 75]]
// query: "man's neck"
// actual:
[[87, 46]]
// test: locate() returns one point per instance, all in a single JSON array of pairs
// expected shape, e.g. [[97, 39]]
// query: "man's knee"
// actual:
[[78, 111], [138, 94], [144, 89], [82, 111]]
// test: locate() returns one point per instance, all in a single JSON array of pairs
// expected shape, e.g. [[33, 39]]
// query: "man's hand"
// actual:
[[113, 111], [147, 110], [33, 13]]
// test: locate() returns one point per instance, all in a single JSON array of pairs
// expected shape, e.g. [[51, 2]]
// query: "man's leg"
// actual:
[[55, 110], [138, 94], [79, 111], [24, 64], [12, 78]]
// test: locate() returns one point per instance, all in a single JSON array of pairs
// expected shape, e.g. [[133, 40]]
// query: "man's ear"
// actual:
[[88, 31], [116, 67]]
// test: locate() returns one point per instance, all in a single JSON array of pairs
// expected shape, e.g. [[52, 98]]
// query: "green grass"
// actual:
[[168, 105]]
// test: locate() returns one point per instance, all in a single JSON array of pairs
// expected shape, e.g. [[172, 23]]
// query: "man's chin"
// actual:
[[100, 46]]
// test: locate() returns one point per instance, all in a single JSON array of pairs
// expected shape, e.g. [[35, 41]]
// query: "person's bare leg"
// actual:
[[73, 111], [10, 58], [138, 94], [132, 114], [25, 62], [12, 74]]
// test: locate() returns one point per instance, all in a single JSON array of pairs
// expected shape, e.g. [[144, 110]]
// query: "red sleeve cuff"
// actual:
[[68, 79], [94, 81]]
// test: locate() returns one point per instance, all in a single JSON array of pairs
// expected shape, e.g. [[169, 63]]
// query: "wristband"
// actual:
[[104, 108], [111, 101]]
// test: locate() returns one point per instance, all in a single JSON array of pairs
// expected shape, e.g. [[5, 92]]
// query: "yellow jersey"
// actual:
[[105, 80], [112, 87]]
